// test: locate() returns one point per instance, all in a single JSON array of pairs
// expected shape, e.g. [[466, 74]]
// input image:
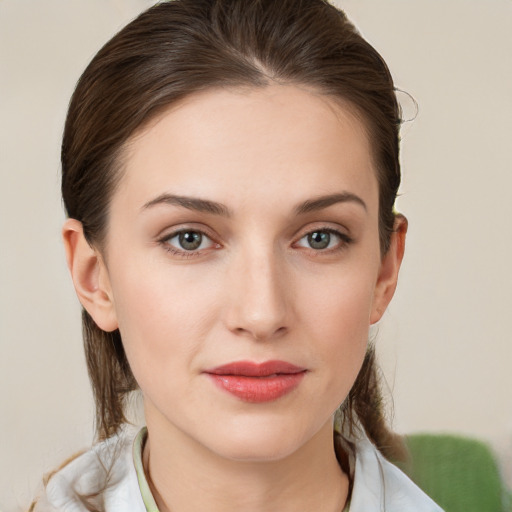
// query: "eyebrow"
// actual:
[[191, 203], [207, 206], [319, 203]]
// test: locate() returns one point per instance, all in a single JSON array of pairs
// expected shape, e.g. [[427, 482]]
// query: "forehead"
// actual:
[[241, 145]]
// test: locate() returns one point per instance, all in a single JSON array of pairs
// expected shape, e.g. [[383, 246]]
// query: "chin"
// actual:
[[257, 450], [258, 441]]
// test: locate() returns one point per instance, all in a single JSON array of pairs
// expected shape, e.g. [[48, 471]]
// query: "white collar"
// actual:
[[378, 485]]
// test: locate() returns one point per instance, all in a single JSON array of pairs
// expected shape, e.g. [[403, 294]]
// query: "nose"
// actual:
[[258, 296]]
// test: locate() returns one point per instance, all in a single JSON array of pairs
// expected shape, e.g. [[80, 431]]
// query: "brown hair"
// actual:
[[180, 47]]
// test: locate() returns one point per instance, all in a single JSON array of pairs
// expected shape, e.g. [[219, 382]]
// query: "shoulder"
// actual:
[[380, 485], [102, 478]]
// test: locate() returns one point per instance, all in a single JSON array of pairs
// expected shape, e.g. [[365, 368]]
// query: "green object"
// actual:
[[458, 473], [145, 491]]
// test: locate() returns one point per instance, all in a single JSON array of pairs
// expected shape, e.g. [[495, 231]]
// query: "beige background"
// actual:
[[445, 343]]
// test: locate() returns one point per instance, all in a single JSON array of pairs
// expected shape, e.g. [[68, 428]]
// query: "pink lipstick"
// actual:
[[253, 382]]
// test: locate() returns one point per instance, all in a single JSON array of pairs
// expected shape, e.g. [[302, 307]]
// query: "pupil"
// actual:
[[319, 240], [190, 240]]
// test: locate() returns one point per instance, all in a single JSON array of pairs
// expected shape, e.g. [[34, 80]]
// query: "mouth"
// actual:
[[257, 382]]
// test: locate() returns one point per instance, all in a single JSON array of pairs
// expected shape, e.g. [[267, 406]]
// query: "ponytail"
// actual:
[[110, 375], [364, 408]]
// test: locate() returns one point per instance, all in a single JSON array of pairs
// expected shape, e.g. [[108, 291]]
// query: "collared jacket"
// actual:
[[378, 485]]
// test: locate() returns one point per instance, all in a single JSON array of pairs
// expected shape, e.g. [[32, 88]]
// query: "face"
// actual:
[[243, 267]]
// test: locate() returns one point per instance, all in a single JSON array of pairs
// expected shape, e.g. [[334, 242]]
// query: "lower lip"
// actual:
[[258, 389]]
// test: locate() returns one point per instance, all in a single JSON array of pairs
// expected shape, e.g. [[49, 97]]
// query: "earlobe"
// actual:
[[390, 266], [89, 275]]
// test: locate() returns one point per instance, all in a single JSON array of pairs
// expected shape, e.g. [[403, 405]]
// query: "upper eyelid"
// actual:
[[338, 229], [167, 233], [344, 238]]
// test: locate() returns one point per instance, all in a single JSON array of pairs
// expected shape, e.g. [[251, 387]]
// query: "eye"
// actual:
[[322, 239], [188, 241]]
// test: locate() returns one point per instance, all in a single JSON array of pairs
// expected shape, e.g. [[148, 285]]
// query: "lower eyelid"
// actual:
[[181, 253]]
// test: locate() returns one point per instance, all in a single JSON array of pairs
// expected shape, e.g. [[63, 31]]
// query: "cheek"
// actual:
[[341, 302], [163, 315], [336, 314]]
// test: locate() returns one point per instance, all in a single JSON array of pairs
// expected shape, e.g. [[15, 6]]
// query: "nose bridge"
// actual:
[[258, 304]]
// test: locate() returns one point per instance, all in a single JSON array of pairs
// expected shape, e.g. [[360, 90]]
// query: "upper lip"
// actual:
[[252, 369]]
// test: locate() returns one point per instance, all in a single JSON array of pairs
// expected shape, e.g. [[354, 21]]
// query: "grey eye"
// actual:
[[319, 239], [190, 240], [323, 239]]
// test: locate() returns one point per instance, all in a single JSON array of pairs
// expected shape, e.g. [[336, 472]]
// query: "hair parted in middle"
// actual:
[[181, 47]]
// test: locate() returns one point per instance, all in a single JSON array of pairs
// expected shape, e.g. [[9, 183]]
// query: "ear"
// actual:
[[90, 276], [388, 273]]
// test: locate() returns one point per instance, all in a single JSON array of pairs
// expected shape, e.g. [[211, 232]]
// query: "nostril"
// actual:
[[261, 334]]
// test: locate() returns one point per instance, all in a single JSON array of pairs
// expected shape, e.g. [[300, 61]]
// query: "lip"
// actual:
[[257, 382]]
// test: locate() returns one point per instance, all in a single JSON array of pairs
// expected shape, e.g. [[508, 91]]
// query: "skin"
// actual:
[[256, 289]]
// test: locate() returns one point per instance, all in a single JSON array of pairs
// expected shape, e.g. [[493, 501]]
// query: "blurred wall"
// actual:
[[444, 344]]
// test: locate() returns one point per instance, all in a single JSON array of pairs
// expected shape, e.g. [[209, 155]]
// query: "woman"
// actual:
[[229, 172]]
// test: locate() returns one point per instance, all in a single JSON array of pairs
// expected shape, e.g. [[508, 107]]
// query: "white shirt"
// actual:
[[378, 485]]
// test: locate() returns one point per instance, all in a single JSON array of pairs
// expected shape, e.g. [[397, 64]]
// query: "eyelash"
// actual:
[[344, 241], [183, 253]]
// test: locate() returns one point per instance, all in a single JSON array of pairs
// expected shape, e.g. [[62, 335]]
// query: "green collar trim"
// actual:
[[145, 491]]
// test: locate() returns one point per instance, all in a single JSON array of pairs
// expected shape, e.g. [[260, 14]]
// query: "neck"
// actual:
[[183, 477]]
